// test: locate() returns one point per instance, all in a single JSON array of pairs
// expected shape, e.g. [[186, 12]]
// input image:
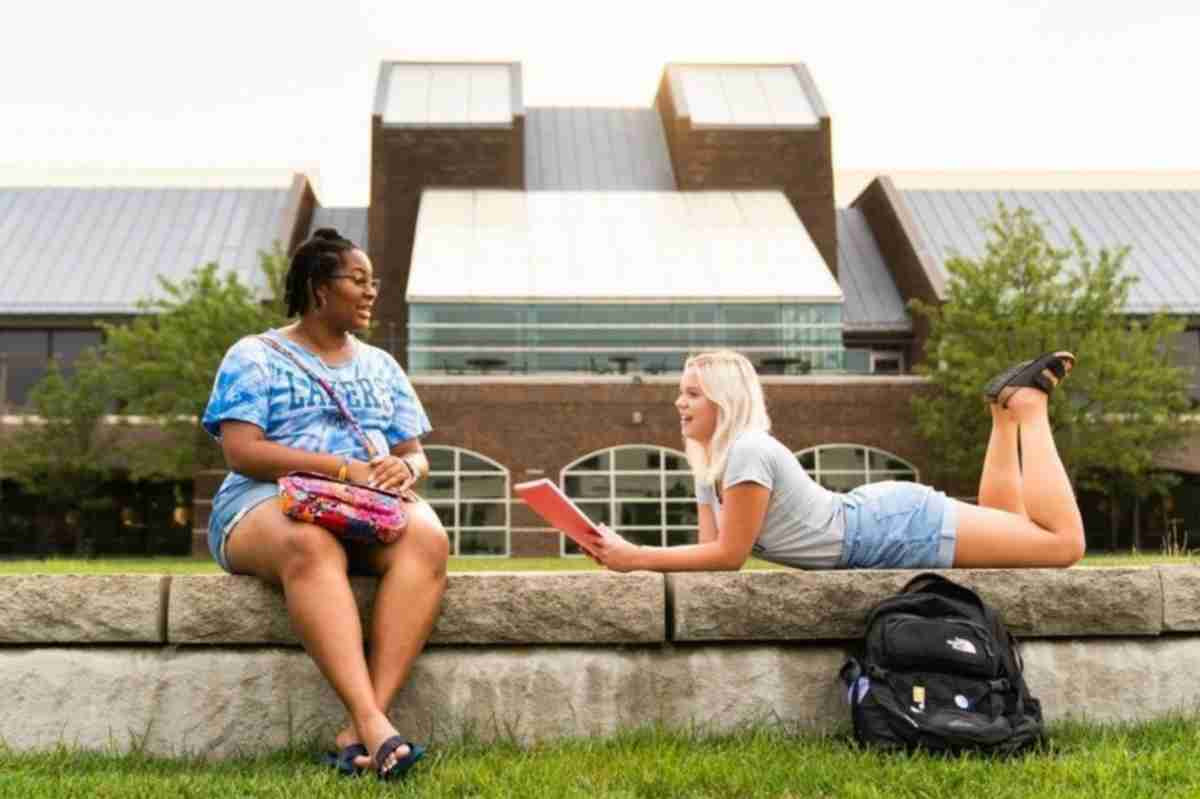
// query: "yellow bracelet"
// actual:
[[343, 469]]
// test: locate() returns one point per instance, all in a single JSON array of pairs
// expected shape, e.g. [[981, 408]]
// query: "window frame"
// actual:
[[614, 501], [866, 471], [455, 531]]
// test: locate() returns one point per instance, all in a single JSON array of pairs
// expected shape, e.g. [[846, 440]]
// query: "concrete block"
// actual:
[[478, 608], [833, 605], [83, 609]]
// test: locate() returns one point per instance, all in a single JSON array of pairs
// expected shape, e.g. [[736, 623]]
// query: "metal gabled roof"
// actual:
[[596, 149], [99, 251], [1161, 228], [351, 223], [873, 303]]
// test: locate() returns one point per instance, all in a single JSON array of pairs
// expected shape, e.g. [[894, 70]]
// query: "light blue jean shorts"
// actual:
[[228, 509], [898, 525]]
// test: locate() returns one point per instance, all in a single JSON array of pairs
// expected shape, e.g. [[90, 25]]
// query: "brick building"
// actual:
[[546, 270]]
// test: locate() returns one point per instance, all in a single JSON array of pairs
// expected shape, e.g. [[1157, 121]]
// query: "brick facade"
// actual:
[[404, 161], [797, 161], [536, 429]]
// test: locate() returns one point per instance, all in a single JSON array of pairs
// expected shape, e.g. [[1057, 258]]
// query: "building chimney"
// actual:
[[435, 124], [753, 126]]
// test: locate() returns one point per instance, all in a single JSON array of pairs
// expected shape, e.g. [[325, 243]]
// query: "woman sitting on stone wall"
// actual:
[[755, 497], [271, 418]]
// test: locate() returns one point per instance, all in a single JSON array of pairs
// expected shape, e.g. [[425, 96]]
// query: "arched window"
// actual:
[[469, 493], [645, 493], [841, 467]]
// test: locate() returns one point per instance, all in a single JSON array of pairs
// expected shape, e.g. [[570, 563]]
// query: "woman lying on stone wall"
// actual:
[[755, 497], [272, 418]]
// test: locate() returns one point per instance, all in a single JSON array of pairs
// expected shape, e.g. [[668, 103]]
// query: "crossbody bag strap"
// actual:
[[372, 452]]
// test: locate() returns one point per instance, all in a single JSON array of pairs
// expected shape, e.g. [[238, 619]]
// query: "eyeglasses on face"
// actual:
[[360, 281]]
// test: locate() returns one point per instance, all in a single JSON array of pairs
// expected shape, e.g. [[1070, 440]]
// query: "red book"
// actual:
[[563, 514]]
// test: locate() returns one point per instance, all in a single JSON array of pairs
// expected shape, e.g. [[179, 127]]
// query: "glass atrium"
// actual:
[[616, 282]]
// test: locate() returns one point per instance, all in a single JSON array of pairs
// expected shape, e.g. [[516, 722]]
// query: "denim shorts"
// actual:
[[898, 525], [228, 509]]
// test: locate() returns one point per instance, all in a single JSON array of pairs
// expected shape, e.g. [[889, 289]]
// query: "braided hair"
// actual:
[[311, 265]]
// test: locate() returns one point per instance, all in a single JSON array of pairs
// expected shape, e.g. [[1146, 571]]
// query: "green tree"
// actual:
[[156, 372], [162, 364], [1124, 400], [62, 453]]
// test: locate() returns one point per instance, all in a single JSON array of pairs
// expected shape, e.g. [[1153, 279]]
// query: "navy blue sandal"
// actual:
[[343, 760], [1029, 374], [401, 766]]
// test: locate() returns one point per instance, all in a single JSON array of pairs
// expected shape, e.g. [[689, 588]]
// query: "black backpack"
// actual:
[[941, 673]]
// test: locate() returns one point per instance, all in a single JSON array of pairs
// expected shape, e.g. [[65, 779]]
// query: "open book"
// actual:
[[563, 514]]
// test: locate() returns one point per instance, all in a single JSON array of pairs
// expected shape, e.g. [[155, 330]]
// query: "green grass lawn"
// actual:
[[1151, 760], [184, 565]]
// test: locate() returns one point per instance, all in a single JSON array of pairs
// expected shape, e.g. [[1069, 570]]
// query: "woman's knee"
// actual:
[[427, 538], [1073, 546], [304, 546]]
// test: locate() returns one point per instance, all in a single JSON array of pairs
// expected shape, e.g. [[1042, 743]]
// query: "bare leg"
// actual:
[[310, 564], [1000, 483], [1052, 534], [1049, 497], [412, 580]]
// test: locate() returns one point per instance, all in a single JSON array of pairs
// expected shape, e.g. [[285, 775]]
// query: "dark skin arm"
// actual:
[[247, 451]]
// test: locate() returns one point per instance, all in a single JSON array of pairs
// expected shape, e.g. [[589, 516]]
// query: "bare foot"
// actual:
[[1025, 402], [1000, 414], [374, 733]]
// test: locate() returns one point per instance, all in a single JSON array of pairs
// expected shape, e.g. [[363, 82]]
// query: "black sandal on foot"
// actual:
[[1028, 374], [343, 760], [401, 766]]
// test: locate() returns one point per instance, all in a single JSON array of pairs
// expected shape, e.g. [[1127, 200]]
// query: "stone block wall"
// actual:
[[208, 665]]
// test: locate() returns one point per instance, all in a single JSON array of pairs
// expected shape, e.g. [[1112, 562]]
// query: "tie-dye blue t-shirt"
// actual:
[[259, 385]]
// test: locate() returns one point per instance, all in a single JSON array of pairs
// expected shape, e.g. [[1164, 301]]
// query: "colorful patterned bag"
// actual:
[[348, 510], [352, 511]]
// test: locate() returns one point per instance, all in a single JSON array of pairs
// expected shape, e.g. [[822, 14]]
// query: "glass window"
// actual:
[[842, 467], [622, 338], [589, 485], [646, 493], [68, 345], [25, 354], [470, 494]]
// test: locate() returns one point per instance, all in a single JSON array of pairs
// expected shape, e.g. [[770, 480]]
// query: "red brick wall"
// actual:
[[799, 162], [405, 160], [544, 427]]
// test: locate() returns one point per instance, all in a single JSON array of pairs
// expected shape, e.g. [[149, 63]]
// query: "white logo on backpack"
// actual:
[[961, 645]]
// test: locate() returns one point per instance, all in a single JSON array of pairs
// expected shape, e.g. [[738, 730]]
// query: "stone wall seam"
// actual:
[[164, 602], [668, 609]]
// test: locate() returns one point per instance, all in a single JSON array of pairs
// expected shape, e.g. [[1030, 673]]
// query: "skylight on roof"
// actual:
[[746, 96], [448, 94], [503, 246]]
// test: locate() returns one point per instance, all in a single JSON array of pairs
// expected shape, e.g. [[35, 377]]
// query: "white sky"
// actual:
[[268, 85]]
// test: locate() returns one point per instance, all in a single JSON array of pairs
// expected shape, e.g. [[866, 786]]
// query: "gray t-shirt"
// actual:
[[805, 522]]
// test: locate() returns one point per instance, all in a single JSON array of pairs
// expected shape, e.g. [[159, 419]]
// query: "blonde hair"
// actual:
[[729, 381]]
